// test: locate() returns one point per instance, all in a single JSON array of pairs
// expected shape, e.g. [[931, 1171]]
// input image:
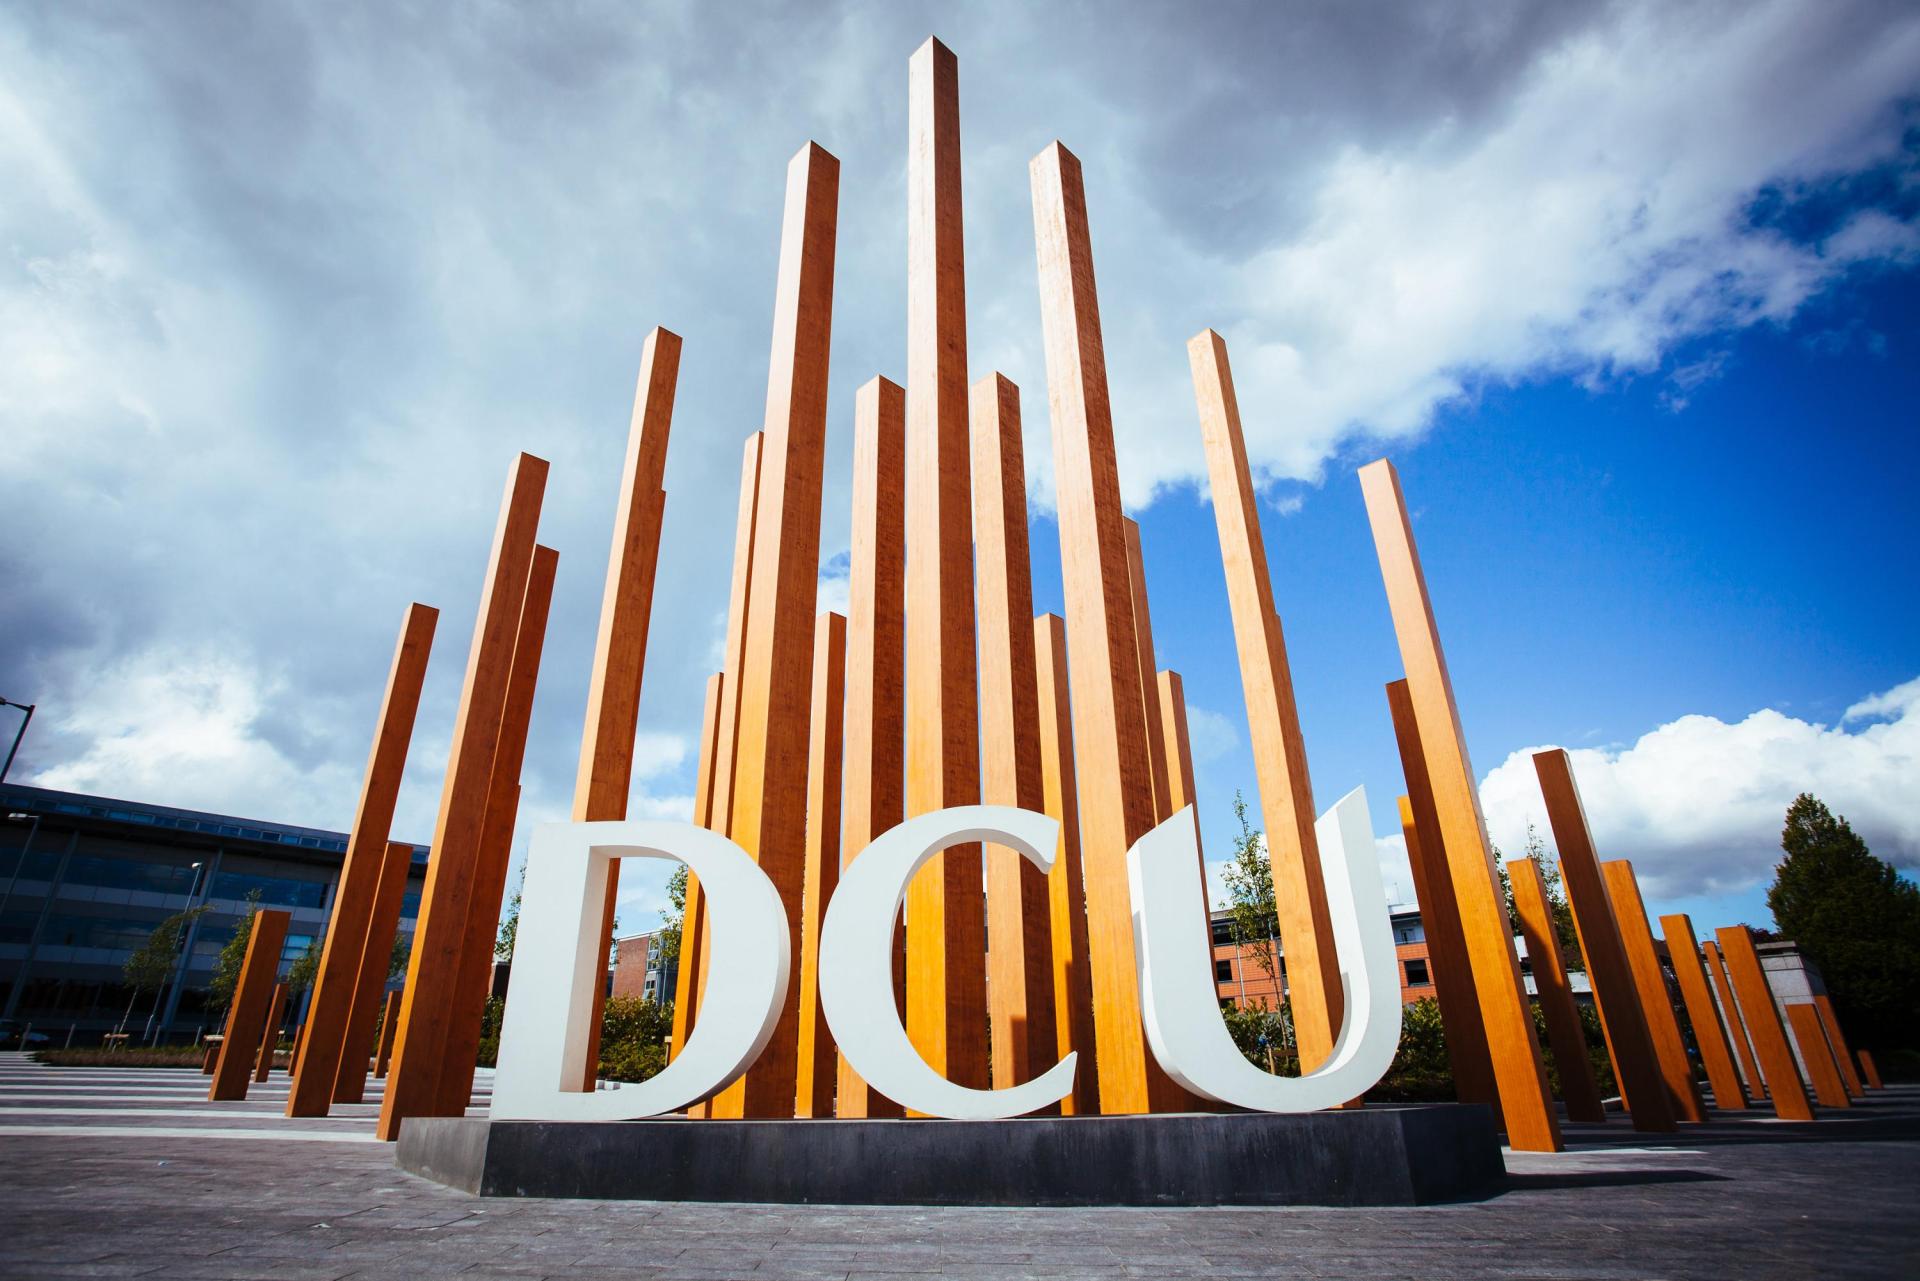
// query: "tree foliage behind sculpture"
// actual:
[[666, 944], [1250, 902], [1855, 918], [510, 922], [153, 962], [227, 966], [1564, 930]]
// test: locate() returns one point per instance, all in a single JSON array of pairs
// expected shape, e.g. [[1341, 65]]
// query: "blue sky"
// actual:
[[1627, 291]]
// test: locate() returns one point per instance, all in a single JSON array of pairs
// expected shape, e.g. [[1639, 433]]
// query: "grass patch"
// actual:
[[179, 1057]]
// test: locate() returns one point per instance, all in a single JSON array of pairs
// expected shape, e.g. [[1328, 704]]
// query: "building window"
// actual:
[[1417, 973], [1223, 971]]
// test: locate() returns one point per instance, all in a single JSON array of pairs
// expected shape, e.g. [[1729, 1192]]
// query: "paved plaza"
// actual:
[[122, 1173]]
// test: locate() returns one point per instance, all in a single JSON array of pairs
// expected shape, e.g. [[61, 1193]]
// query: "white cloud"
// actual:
[[1210, 735], [1698, 803]]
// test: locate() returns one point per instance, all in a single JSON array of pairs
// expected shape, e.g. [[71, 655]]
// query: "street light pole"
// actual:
[[186, 943], [17, 734]]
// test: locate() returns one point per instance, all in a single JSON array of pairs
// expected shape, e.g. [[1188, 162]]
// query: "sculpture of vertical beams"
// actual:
[[1453, 982], [1525, 1106], [496, 840], [875, 713], [1755, 1003], [1683, 949], [1730, 1016], [421, 1042], [814, 1057], [1842, 1052], [1577, 1086], [310, 1093], [1822, 1069], [1279, 751], [1629, 1040], [739, 597], [1179, 747], [605, 772], [769, 787], [692, 917], [247, 1014], [946, 909], [389, 1025], [1019, 908], [1111, 764], [1073, 1027], [1870, 1071], [376, 959], [270, 1035], [1676, 1069], [1157, 764]]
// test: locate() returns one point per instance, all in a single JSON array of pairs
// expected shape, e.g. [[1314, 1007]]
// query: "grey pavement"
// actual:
[[115, 1173]]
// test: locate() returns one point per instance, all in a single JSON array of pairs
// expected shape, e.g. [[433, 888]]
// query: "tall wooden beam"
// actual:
[[1754, 997], [1525, 1106], [1019, 911], [1629, 1041], [1870, 1070], [1073, 1025], [1577, 1087], [815, 1057], [1149, 686], [270, 1035], [1730, 1013], [876, 657], [1453, 983], [1842, 1052], [247, 1012], [496, 841], [1818, 1056], [1683, 949], [1670, 1050], [769, 801], [1111, 763], [370, 981], [413, 1082], [1273, 717], [692, 916], [626, 611], [389, 1026], [1181, 790], [946, 910], [331, 1006]]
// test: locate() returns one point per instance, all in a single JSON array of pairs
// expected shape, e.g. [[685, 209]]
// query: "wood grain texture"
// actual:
[[247, 1010], [1019, 907], [1149, 686], [946, 906], [1842, 1052], [875, 783], [1730, 1018], [1828, 1089], [1273, 717], [693, 916], [769, 789], [389, 1025], [1629, 1042], [1755, 997], [1452, 967], [331, 1006], [1181, 788], [1525, 1106], [1111, 764], [496, 841], [815, 1058], [1073, 1027], [270, 1034], [413, 1080], [605, 772], [1683, 950], [1578, 1090], [376, 958], [1650, 981]]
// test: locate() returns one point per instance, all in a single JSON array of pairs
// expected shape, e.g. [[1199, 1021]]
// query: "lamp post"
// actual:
[[17, 734], [180, 966]]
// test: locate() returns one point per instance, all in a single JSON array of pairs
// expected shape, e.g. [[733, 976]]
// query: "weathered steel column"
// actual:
[[247, 1014], [376, 959], [692, 918], [1073, 1027], [1683, 949], [1842, 1052], [1757, 1011], [815, 1058], [331, 1006], [1577, 1086], [270, 1035], [1730, 1014], [1636, 935], [389, 1026], [1822, 1071]]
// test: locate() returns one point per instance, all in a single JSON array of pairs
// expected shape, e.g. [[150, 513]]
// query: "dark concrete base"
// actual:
[[1368, 1156]]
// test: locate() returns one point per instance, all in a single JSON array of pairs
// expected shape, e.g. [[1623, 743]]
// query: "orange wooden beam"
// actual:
[[1179, 747], [1842, 1053], [247, 1014], [1453, 985], [1273, 717], [1111, 763], [496, 842], [433, 972], [1157, 766], [270, 1035], [1629, 1041], [693, 914], [1525, 1105], [1577, 1086], [1073, 1026], [1019, 909], [1828, 1088], [815, 1057], [946, 908], [376, 959], [876, 658], [1650, 981], [1730, 1014], [1757, 1011], [1683, 949], [331, 1007], [1871, 1070], [389, 1025], [769, 791]]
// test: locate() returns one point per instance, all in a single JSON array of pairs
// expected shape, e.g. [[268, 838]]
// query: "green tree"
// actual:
[[1421, 1071], [667, 944], [1855, 918], [226, 967], [153, 962], [400, 958], [510, 923], [1250, 902], [633, 1037], [1264, 1036], [305, 968], [1564, 929]]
